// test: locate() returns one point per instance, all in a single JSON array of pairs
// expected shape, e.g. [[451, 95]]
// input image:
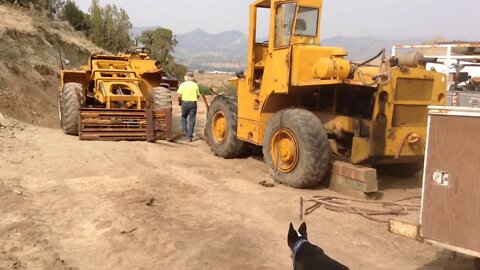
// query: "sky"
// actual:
[[398, 19]]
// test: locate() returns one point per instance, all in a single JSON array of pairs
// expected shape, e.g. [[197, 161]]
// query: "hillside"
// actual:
[[227, 51], [224, 51], [361, 48], [30, 65]]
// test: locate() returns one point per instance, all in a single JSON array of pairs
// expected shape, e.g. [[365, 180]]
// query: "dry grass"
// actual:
[[13, 18], [29, 63], [210, 80]]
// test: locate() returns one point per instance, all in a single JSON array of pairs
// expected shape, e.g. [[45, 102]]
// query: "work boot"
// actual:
[[190, 139]]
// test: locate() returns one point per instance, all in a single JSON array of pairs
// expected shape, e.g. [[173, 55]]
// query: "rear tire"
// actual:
[[222, 128], [70, 104], [399, 170], [296, 148], [161, 98]]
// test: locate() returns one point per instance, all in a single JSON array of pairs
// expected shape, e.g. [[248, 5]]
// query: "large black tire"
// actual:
[[161, 98], [70, 103], [402, 170], [230, 146], [313, 148]]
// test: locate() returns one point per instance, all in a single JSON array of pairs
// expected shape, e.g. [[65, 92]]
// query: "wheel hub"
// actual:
[[284, 150], [219, 127]]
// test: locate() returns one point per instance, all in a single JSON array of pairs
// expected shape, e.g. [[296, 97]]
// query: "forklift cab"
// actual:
[[291, 23]]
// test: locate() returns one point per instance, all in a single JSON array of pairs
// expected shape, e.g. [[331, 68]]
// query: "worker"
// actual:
[[189, 94]]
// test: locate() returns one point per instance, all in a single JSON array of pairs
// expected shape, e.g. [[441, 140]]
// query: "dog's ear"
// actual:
[[292, 236], [303, 230]]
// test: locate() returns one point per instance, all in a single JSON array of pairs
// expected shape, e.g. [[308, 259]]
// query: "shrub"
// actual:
[[204, 90]]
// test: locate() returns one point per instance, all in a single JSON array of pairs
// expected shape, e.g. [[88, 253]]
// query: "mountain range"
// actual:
[[227, 51]]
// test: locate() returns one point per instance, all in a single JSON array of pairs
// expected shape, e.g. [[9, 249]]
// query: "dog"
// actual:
[[306, 256]]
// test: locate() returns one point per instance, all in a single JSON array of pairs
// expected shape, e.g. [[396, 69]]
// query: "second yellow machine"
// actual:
[[303, 102], [116, 97]]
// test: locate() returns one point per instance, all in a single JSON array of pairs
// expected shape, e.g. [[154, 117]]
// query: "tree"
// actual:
[[178, 70], [72, 13], [96, 23], [110, 27], [162, 42]]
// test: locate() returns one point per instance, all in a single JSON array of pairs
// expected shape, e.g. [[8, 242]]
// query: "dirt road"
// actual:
[[69, 204]]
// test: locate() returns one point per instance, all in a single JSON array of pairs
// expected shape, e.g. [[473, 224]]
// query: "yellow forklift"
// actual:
[[116, 97], [306, 104]]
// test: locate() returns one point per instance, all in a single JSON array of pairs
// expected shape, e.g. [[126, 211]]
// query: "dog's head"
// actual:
[[294, 236]]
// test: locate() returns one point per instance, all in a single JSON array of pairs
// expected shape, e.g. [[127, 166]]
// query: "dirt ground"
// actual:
[[70, 204]]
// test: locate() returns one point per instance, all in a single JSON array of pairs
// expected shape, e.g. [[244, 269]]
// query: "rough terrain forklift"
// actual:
[[116, 97], [306, 104]]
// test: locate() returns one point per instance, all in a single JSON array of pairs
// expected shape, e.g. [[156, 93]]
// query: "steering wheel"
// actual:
[[142, 50]]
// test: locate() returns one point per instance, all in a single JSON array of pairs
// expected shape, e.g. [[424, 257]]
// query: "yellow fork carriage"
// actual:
[[119, 125]]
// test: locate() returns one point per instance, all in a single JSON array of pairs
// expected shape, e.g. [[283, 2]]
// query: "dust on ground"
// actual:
[[70, 204]]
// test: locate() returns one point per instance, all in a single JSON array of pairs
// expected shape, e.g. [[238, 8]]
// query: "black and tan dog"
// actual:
[[306, 256]]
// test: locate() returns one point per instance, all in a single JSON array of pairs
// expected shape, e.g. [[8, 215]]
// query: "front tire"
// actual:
[[222, 128], [70, 104], [296, 148]]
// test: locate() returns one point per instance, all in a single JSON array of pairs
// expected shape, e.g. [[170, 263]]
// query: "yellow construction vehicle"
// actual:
[[116, 97], [306, 104]]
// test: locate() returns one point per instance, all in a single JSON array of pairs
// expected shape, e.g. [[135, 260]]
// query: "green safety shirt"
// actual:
[[189, 91]]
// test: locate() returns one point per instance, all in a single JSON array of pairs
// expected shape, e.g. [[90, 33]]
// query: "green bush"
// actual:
[[204, 90], [227, 89]]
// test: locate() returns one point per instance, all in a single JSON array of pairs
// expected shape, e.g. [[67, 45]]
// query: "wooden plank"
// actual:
[[405, 229], [369, 186], [451, 210], [356, 172], [339, 187]]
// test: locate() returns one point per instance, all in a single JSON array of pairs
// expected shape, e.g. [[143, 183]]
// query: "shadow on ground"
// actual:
[[449, 260]]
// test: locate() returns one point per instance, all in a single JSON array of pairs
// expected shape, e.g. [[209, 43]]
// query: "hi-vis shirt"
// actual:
[[189, 91]]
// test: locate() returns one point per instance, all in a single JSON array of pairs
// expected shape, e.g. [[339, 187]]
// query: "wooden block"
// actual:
[[405, 229], [367, 186], [355, 172], [352, 180], [348, 191]]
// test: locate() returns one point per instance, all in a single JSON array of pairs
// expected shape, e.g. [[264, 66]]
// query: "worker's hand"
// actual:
[[179, 101]]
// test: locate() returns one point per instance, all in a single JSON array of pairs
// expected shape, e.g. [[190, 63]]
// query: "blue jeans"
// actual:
[[189, 111]]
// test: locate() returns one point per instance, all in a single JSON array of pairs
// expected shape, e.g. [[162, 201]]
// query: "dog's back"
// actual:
[[307, 256], [311, 257]]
